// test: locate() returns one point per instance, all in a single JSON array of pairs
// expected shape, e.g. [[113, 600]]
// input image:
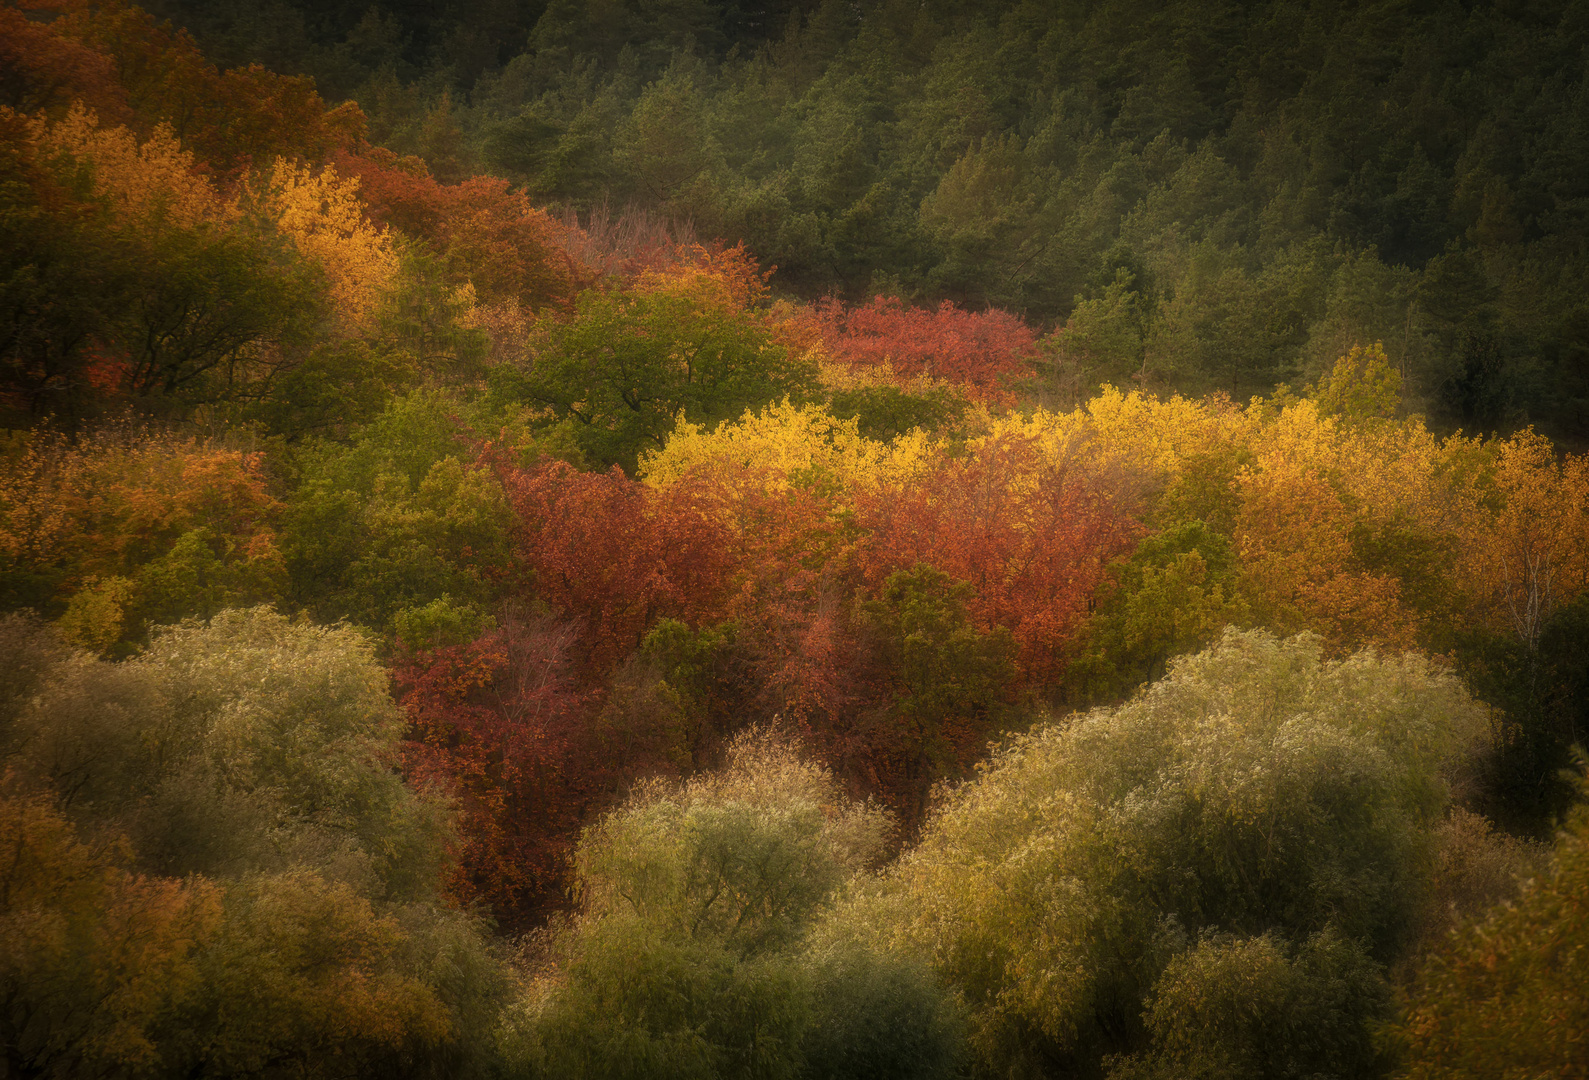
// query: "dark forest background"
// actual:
[[1210, 195]]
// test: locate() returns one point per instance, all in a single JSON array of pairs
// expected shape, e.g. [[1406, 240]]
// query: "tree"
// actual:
[[1504, 995], [977, 350], [628, 363], [499, 723], [1257, 789], [689, 956], [400, 517], [946, 683], [615, 556], [1173, 595], [94, 959]]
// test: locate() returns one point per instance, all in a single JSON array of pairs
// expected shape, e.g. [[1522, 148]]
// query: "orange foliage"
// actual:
[[1524, 526], [1032, 535], [978, 350], [615, 556], [725, 277], [491, 236], [1293, 532], [108, 506]]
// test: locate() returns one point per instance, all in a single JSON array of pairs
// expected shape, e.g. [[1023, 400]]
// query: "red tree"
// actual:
[[1032, 537], [974, 349], [615, 556], [488, 233], [498, 724]]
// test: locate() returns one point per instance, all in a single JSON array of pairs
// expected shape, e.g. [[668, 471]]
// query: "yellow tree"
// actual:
[[322, 215]]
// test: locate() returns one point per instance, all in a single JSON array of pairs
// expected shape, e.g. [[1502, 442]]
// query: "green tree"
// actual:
[[689, 956], [398, 518], [627, 364], [1258, 789], [947, 681], [1173, 595]]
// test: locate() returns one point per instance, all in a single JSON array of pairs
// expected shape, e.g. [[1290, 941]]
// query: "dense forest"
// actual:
[[660, 538]]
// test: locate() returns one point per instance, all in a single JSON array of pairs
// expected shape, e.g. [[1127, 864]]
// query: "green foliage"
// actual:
[[302, 976], [440, 623], [206, 302], [1542, 696], [886, 412], [240, 745], [1256, 790], [689, 958], [943, 665], [1362, 385], [677, 695], [257, 754], [1173, 595], [627, 364], [396, 520], [1505, 995], [299, 720], [1235, 1008]]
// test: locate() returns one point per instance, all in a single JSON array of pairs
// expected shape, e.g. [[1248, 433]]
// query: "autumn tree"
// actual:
[[1199, 838], [1031, 535], [615, 556], [698, 949], [626, 364], [975, 349], [499, 723], [1504, 994], [125, 529]]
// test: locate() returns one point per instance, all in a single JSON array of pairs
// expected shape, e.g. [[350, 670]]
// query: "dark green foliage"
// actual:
[[1542, 696], [626, 365], [399, 518], [1173, 595], [943, 665], [884, 412], [949, 682], [1238, 1008]]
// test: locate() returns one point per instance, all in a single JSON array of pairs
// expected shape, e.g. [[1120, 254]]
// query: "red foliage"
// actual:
[[42, 71], [615, 555], [1032, 538], [497, 724], [490, 234], [975, 349], [228, 119]]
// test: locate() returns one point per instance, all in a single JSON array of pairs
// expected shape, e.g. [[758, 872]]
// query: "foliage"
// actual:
[[1256, 790], [126, 529], [627, 364], [944, 681], [687, 957], [398, 518], [95, 957], [1504, 995], [608, 553]]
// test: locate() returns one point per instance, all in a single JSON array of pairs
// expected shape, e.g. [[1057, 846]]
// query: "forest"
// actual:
[[794, 539]]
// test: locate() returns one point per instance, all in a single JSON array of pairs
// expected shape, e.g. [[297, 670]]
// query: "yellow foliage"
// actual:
[[786, 444], [322, 214], [152, 180], [95, 615], [1524, 527]]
